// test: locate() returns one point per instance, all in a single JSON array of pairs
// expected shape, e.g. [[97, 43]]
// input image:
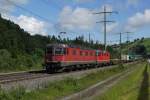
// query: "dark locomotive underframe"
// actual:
[[61, 66]]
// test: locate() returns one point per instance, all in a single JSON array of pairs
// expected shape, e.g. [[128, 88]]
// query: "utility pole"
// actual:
[[120, 45], [105, 21], [128, 40], [89, 38], [128, 37]]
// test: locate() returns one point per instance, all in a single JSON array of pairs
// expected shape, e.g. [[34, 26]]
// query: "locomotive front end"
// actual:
[[54, 56]]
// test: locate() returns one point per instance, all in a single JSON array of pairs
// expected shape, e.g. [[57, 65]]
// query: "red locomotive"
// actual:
[[60, 57]]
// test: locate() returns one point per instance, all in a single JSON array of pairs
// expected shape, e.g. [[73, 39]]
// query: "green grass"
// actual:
[[133, 87], [61, 88], [145, 42]]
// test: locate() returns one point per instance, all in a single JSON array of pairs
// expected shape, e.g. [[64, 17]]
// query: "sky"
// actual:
[[77, 18]]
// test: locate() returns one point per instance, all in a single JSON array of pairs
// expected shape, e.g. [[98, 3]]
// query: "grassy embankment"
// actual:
[[145, 42], [61, 88], [134, 87]]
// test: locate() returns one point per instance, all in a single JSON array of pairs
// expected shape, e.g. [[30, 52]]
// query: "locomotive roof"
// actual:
[[57, 45], [66, 45], [71, 46]]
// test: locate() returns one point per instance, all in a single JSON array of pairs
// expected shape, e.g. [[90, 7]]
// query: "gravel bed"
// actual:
[[32, 84]]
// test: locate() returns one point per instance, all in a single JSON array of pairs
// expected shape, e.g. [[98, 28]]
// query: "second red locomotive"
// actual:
[[61, 56]]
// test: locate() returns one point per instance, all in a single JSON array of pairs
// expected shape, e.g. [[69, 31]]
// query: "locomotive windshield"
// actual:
[[55, 50], [58, 51], [49, 50]]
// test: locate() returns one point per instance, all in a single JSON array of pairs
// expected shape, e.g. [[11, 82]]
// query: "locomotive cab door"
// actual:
[[97, 52]]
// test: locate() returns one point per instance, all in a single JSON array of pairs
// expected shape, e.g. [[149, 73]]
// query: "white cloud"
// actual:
[[139, 20], [7, 6], [30, 24], [112, 27], [83, 19], [108, 7], [79, 18]]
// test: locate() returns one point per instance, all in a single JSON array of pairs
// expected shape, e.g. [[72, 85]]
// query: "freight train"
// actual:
[[60, 57]]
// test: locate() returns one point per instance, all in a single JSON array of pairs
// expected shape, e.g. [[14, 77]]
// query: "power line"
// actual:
[[47, 3], [105, 21], [120, 47], [29, 11], [4, 10], [113, 41], [128, 40], [128, 36]]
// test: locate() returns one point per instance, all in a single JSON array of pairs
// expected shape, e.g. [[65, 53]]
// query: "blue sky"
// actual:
[[49, 17]]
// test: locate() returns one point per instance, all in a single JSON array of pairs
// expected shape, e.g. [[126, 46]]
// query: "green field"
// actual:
[[145, 42], [61, 88], [134, 87]]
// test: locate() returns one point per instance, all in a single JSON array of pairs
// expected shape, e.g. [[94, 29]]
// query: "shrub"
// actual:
[[6, 60]]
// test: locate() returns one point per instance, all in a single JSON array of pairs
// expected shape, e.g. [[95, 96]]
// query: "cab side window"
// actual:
[[86, 53], [91, 53], [81, 53], [74, 52]]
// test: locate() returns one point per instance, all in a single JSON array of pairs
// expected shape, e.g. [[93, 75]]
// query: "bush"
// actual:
[[24, 62], [21, 62], [6, 61], [38, 56]]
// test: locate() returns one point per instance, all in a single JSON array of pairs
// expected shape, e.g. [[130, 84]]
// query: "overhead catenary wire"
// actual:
[[4, 10], [57, 25], [47, 2], [29, 11], [48, 21], [35, 14]]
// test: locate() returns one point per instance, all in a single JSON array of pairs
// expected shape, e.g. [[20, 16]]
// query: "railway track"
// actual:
[[14, 77], [20, 76]]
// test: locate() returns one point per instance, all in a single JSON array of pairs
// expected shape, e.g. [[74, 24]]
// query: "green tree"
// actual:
[[6, 62]]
